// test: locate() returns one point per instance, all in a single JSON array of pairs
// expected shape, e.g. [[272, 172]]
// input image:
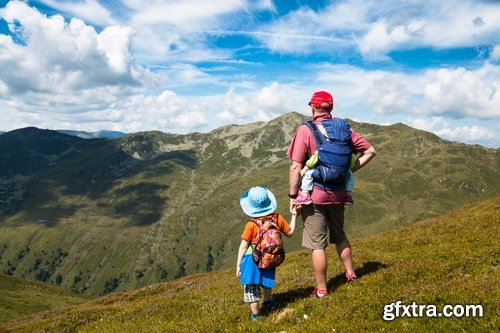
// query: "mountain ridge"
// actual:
[[101, 215]]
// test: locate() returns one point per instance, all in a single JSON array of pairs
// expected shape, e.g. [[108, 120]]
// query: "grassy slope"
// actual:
[[21, 297], [452, 259]]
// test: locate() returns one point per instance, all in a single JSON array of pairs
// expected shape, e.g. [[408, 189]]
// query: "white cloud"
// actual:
[[467, 134], [440, 25], [64, 66], [57, 73], [272, 97], [114, 42], [375, 28], [460, 92], [55, 56], [428, 124], [454, 92], [90, 11], [495, 53], [305, 31], [445, 24], [181, 75], [369, 94], [170, 112], [190, 14], [389, 94], [461, 24], [165, 112], [462, 104], [166, 45], [258, 105], [382, 38]]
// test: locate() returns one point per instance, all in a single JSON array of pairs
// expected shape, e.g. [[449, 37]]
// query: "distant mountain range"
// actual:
[[91, 135], [94, 135], [95, 216]]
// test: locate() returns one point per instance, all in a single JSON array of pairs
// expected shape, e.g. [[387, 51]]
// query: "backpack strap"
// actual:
[[335, 135], [260, 222], [314, 129]]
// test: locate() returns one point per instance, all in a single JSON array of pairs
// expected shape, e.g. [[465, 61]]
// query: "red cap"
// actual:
[[322, 100]]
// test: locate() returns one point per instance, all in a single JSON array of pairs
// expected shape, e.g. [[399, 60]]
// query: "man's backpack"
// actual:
[[334, 153], [268, 251]]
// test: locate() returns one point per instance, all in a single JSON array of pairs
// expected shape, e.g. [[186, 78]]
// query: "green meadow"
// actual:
[[448, 260]]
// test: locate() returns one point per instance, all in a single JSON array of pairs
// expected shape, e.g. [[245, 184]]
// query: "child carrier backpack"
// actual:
[[334, 153], [268, 252]]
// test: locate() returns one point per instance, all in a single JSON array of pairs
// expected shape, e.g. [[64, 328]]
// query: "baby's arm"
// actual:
[[241, 251], [310, 163], [304, 170]]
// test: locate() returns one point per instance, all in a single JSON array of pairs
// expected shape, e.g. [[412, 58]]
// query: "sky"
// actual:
[[183, 66]]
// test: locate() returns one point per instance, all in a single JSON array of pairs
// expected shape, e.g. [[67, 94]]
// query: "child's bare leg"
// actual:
[[254, 307]]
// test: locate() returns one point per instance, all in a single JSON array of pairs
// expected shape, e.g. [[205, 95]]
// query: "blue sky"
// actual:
[[195, 65]]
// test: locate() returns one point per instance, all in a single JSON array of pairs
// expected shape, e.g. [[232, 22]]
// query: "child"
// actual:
[[304, 197], [258, 202]]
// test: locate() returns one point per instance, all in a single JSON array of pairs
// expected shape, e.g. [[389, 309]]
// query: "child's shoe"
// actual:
[[270, 305], [304, 198], [254, 316], [351, 277], [348, 200]]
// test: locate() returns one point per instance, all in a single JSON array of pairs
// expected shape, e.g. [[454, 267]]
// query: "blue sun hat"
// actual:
[[258, 201]]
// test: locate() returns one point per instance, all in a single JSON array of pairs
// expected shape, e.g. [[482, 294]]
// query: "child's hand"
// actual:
[[295, 209], [238, 271]]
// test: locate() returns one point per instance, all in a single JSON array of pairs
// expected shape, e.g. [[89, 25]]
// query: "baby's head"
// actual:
[[258, 201]]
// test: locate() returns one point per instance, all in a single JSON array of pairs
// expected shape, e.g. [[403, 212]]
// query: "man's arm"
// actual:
[[295, 168], [365, 157]]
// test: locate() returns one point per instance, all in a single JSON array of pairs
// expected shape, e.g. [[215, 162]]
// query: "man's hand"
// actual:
[[365, 157], [294, 208]]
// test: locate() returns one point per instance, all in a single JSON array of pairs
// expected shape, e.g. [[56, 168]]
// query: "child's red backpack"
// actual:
[[268, 251]]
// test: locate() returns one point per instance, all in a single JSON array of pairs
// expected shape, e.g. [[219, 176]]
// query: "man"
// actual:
[[326, 213]]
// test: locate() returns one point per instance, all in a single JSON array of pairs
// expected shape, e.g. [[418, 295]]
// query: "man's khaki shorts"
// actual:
[[318, 221]]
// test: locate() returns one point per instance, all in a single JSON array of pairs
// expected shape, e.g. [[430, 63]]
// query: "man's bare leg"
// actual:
[[319, 262]]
